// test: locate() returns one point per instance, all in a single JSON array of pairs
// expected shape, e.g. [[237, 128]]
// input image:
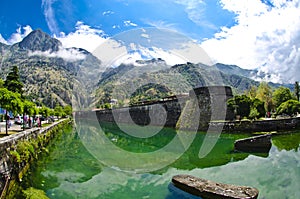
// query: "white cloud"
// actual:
[[137, 52], [16, 37], [2, 40], [145, 35], [50, 15], [160, 24], [195, 10], [66, 54], [264, 37], [84, 37], [116, 26], [106, 13], [129, 23]]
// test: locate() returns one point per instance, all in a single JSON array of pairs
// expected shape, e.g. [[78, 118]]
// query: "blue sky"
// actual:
[[262, 34], [200, 20]]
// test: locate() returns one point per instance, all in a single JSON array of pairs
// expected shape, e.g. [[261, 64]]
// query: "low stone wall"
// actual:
[[260, 125], [9, 143]]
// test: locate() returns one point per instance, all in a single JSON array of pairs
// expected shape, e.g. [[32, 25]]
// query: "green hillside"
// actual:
[[52, 74], [48, 75]]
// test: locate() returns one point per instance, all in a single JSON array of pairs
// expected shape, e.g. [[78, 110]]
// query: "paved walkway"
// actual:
[[14, 127]]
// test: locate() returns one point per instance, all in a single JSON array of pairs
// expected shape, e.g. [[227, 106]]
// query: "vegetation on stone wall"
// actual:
[[27, 150], [32, 193]]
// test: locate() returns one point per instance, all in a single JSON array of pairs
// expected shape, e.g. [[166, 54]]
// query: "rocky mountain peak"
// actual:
[[38, 40], [152, 61]]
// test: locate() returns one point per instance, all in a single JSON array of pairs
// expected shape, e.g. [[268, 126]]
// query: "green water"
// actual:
[[71, 171]]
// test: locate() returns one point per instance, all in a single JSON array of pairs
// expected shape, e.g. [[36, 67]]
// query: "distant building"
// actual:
[[3, 112], [113, 102]]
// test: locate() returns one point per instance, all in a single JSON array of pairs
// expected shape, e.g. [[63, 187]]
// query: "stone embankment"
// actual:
[[259, 125], [203, 108], [13, 161]]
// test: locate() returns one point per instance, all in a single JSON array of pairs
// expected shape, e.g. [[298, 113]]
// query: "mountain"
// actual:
[[130, 83], [234, 69], [52, 74], [37, 40], [153, 79], [49, 71], [3, 47]]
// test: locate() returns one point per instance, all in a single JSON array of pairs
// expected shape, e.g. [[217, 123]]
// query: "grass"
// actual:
[[3, 134]]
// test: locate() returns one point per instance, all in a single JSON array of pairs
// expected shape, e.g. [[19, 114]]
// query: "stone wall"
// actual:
[[260, 126], [212, 102], [164, 113], [8, 144]]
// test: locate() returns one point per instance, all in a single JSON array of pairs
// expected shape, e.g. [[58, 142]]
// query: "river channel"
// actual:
[[80, 165]]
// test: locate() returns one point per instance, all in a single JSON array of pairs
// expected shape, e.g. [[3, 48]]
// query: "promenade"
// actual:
[[13, 129]]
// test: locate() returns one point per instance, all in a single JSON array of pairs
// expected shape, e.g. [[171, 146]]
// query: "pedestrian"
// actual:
[[38, 121], [29, 122], [9, 123]]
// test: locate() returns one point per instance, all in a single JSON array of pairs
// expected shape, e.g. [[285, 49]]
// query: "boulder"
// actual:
[[256, 144], [207, 189]]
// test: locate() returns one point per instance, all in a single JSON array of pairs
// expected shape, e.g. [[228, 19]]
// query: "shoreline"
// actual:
[[12, 169]]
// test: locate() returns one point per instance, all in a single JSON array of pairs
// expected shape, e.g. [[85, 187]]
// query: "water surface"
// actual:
[[71, 171]]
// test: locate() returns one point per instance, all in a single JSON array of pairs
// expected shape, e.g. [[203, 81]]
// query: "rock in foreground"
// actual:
[[213, 190]]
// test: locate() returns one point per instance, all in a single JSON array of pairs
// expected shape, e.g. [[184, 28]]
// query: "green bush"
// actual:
[[32, 193], [16, 156], [289, 107]]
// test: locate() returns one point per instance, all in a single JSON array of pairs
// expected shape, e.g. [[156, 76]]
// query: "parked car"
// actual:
[[51, 119], [18, 120]]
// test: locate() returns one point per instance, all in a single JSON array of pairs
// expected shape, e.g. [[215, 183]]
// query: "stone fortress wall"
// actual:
[[211, 102]]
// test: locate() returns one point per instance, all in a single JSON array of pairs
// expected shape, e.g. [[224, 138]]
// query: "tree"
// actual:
[[29, 109], [240, 104], [254, 114], [35, 113], [45, 111], [289, 107], [68, 110], [259, 107], [13, 82], [10, 101], [297, 90], [58, 111], [264, 94], [280, 95], [1, 83], [252, 92]]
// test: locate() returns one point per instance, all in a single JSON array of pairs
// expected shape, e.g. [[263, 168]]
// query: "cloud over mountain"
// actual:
[[84, 37], [266, 36], [260, 34], [70, 55], [20, 33]]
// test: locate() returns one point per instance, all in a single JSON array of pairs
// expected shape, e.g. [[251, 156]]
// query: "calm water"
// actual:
[[71, 171]]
